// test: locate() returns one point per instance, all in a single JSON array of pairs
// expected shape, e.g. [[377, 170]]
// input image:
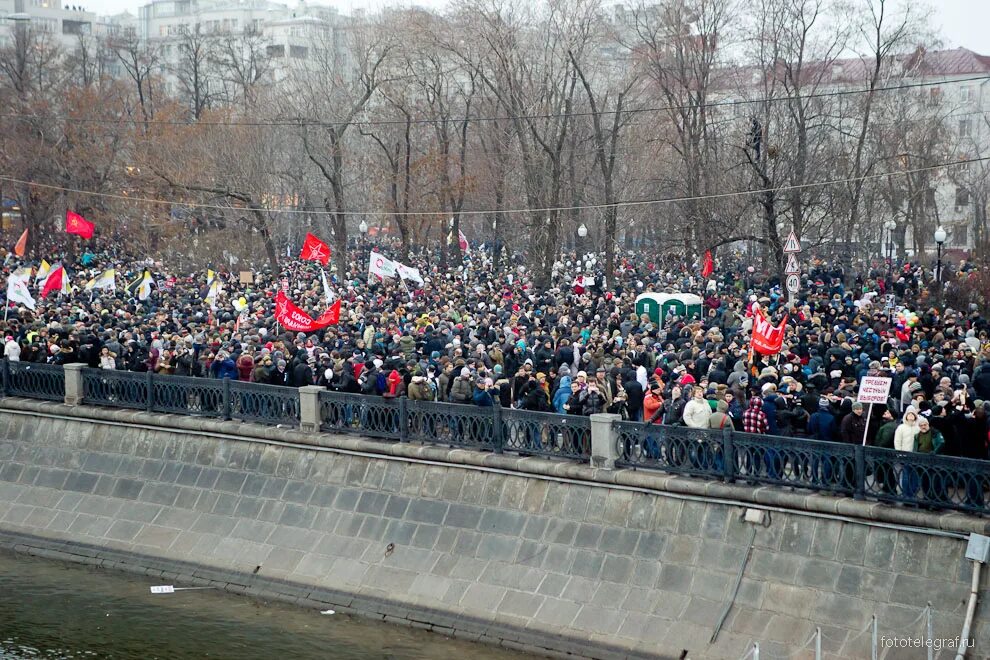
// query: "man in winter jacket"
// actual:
[[853, 425], [697, 411], [462, 390]]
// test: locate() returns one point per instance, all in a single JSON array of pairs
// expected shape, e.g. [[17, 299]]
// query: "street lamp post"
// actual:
[[940, 237], [890, 226], [582, 232], [363, 228]]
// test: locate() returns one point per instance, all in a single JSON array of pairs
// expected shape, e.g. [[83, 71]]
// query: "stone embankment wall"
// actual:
[[550, 557]]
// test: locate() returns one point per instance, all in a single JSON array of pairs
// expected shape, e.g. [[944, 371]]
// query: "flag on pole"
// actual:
[[297, 320], [144, 288], [17, 289], [44, 270], [314, 249], [21, 244], [210, 276], [131, 287], [768, 339], [326, 287], [382, 266], [408, 273], [53, 282], [213, 292], [104, 280], [76, 224], [709, 266], [66, 286]]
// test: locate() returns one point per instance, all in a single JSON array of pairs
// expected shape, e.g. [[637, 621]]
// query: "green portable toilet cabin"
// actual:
[[655, 305]]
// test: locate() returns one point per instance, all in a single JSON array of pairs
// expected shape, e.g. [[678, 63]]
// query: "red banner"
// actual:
[[709, 266], [767, 338], [297, 320], [76, 224], [314, 249]]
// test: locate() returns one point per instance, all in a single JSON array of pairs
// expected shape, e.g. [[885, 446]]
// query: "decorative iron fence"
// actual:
[[932, 481], [35, 381]]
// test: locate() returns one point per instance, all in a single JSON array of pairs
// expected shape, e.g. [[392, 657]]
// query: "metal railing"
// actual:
[[931, 481]]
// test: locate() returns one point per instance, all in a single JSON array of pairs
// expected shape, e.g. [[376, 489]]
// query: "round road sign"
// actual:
[[793, 283]]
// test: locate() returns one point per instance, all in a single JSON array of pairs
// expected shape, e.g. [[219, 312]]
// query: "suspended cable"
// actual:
[[300, 121], [515, 211]]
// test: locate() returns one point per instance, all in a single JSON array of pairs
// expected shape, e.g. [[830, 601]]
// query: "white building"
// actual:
[[66, 22]]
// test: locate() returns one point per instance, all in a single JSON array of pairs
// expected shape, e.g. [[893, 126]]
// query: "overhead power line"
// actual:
[[516, 211], [301, 121]]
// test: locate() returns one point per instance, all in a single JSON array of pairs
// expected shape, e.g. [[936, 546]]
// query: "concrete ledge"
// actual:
[[795, 501], [380, 609]]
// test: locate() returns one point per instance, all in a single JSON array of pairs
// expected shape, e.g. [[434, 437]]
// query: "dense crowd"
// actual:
[[485, 335]]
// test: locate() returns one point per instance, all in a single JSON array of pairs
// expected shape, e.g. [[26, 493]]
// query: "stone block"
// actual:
[[518, 603], [450, 487], [674, 577], [536, 527], [427, 511], [127, 489], [598, 620], [374, 528], [944, 558], [208, 478], [138, 512], [230, 481], [480, 597], [513, 492], [619, 541], [641, 510], [159, 493], [852, 544], [617, 569], [879, 548], [425, 536], [587, 563], [531, 553], [189, 475], [691, 518], [433, 482], [248, 507], [748, 621], [82, 482], [560, 531], [502, 522], [716, 522], [588, 535], [681, 550], [458, 515], [372, 503], [645, 573], [711, 585], [347, 499], [575, 503], [769, 565], [791, 600], [552, 584], [846, 611], [226, 504], [910, 553], [557, 612], [917, 591], [720, 556], [789, 630], [702, 612], [796, 536], [324, 496], [400, 532], [818, 573], [123, 530], [209, 523], [500, 548], [617, 507]]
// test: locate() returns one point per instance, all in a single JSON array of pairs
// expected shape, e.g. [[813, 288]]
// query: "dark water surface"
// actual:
[[51, 609]]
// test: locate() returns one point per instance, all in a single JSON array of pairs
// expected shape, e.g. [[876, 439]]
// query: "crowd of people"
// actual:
[[484, 335]]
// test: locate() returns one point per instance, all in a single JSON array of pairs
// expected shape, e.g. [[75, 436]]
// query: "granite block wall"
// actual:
[[517, 559]]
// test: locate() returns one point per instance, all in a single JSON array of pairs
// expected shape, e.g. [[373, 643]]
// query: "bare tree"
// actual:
[[194, 68]]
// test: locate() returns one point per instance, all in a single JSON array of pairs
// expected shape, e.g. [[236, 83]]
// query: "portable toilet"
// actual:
[[656, 305]]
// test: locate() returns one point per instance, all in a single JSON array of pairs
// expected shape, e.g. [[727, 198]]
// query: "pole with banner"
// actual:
[[873, 389], [792, 248]]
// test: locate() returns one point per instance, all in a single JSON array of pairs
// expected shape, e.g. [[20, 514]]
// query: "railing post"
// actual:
[[497, 440], [149, 391], [728, 456], [5, 376], [226, 397], [604, 452], [73, 383], [309, 408], [403, 419], [860, 463]]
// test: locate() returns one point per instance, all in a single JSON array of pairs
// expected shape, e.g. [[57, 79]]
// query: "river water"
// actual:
[[51, 609]]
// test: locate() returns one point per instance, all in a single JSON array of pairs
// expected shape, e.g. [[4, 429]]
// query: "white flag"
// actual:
[[104, 280], [17, 289], [382, 266], [44, 270], [213, 293], [144, 288], [326, 287], [408, 273]]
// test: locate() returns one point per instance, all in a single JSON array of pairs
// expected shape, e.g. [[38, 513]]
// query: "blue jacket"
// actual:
[[562, 394], [821, 425], [482, 398]]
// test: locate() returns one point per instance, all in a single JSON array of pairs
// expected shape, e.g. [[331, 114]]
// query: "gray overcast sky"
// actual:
[[963, 22]]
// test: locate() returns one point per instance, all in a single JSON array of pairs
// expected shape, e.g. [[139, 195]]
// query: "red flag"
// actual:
[[76, 224], [462, 241], [53, 282], [297, 320], [21, 244], [314, 249], [709, 266], [767, 339]]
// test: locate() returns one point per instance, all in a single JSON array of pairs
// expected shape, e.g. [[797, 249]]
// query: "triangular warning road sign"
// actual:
[[792, 265], [792, 244]]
